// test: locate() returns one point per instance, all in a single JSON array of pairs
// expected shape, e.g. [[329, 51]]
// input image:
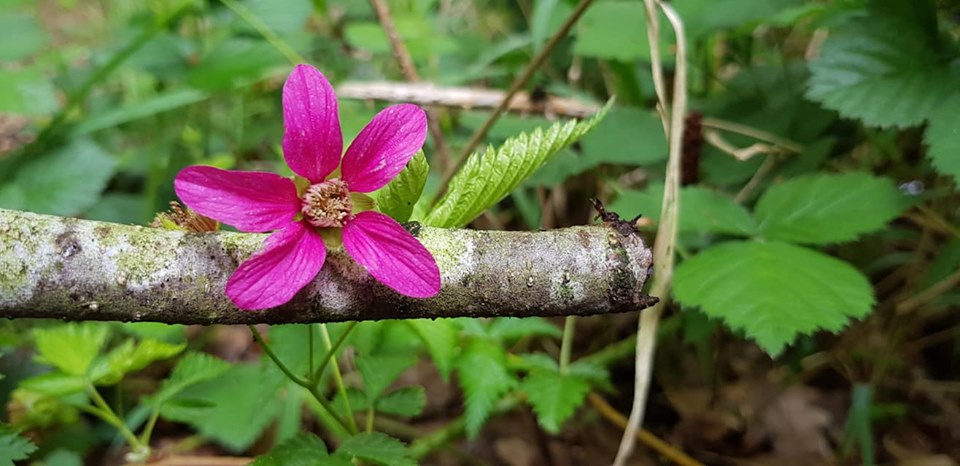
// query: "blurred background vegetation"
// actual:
[[102, 102]]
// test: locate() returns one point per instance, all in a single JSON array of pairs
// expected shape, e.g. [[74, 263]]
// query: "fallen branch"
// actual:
[[55, 267], [427, 94]]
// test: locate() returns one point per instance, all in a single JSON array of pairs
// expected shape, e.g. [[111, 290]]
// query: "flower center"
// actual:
[[327, 204]]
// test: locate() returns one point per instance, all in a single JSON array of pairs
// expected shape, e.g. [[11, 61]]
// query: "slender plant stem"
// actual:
[[255, 22], [310, 371], [566, 342], [311, 387], [276, 359], [369, 420], [663, 448], [341, 387], [518, 83], [665, 242], [105, 412], [752, 132], [151, 423], [332, 352]]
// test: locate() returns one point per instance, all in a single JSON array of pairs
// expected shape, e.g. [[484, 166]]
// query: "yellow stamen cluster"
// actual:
[[327, 204]]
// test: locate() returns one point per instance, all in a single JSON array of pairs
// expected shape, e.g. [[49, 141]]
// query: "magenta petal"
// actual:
[[250, 201], [312, 142], [384, 147], [290, 259], [391, 254]]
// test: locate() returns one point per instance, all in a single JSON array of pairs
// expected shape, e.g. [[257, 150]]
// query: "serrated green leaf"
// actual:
[[591, 372], [193, 368], [626, 136], [706, 210], [943, 138], [773, 291], [130, 357], [397, 198], [440, 336], [886, 69], [701, 210], [510, 329], [405, 402], [56, 384], [380, 370], [303, 449], [13, 446], [487, 177], [484, 378], [554, 396], [71, 347], [246, 399], [824, 209], [64, 182], [378, 448]]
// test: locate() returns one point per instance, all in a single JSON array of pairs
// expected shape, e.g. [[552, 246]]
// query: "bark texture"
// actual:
[[66, 268]]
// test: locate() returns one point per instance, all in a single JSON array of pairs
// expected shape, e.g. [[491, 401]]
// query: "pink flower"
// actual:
[[329, 205]]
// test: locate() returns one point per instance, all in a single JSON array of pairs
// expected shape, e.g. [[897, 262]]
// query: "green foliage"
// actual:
[[403, 402], [701, 210], [64, 182], [377, 448], [30, 36], [887, 68], [554, 395], [13, 446], [398, 197], [943, 138], [233, 408], [489, 176], [440, 336], [379, 371], [72, 347], [773, 291], [306, 449], [26, 91], [613, 30], [193, 368], [303, 449], [510, 329], [824, 209], [484, 379], [626, 136], [129, 357]]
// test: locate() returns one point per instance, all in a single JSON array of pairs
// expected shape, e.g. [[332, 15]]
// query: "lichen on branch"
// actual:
[[56, 267]]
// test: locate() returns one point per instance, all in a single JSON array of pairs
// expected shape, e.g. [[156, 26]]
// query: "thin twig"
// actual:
[[519, 82], [755, 180], [948, 283], [643, 435], [665, 242], [761, 135], [409, 70], [466, 98]]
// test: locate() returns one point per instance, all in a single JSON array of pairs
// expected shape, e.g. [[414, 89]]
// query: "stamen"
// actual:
[[327, 204]]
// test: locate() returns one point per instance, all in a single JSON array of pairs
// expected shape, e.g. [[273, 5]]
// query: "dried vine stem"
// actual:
[[402, 56], [672, 117], [55, 267], [467, 98]]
